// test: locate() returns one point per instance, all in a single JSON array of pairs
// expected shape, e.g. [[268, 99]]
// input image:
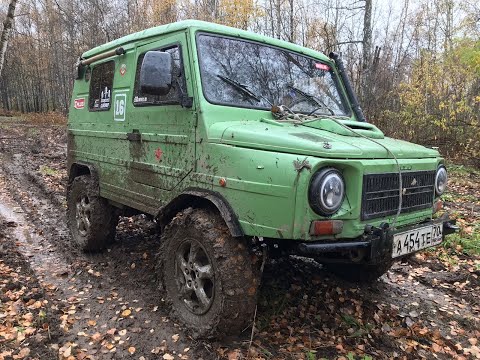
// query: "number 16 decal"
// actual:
[[120, 104]]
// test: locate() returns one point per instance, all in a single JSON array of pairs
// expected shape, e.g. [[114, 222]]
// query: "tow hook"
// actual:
[[449, 227]]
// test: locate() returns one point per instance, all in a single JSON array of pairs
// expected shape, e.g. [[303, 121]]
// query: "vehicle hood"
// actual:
[[324, 138]]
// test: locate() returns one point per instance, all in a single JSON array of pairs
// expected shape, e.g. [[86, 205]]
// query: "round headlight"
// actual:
[[441, 180], [327, 191]]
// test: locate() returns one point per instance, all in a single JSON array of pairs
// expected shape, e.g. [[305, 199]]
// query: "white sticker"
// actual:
[[140, 99], [120, 107], [105, 98]]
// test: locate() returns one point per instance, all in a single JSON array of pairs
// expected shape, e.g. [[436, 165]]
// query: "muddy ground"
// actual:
[[71, 305]]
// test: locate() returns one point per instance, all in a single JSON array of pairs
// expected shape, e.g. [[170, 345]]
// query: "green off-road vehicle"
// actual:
[[240, 147]]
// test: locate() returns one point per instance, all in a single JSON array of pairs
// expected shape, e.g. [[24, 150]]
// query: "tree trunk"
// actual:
[[292, 22], [367, 52], [278, 11], [7, 28]]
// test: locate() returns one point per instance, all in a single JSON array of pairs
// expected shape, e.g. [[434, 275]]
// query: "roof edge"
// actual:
[[202, 26]]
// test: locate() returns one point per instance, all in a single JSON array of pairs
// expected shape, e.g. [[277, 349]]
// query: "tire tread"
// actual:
[[232, 257]]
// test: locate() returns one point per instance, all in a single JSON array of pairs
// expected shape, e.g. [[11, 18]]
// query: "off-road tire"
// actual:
[[236, 276], [102, 215], [359, 273]]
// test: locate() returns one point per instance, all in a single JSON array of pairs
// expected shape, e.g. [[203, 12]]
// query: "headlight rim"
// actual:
[[317, 182], [437, 191]]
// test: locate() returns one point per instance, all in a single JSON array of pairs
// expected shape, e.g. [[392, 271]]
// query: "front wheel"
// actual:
[[209, 276], [359, 273]]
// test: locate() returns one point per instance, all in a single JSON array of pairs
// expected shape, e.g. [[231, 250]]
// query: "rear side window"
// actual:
[[101, 85], [173, 97]]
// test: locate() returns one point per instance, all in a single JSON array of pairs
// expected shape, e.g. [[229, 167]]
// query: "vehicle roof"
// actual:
[[199, 25]]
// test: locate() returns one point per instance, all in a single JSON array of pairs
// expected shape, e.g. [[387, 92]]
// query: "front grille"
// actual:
[[380, 193]]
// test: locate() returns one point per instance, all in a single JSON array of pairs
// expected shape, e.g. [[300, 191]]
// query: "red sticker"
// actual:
[[323, 67], [79, 103], [123, 69], [158, 154]]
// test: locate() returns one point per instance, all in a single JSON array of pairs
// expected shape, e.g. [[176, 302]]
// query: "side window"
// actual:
[[101, 85], [141, 99]]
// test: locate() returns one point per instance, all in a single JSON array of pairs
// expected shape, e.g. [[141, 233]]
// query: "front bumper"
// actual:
[[373, 247]]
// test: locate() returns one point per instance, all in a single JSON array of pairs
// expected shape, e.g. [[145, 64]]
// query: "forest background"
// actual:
[[415, 64]]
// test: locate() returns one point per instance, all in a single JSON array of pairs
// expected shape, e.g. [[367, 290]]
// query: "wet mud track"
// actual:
[[108, 306]]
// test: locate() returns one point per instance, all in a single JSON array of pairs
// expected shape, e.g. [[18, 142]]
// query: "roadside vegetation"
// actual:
[[462, 199]]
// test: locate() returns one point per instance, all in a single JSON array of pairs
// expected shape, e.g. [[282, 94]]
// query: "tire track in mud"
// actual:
[[96, 288]]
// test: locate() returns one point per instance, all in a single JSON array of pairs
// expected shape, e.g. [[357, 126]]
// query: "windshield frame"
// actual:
[[335, 76]]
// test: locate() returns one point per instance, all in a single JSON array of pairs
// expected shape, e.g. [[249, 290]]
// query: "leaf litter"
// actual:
[[425, 307]]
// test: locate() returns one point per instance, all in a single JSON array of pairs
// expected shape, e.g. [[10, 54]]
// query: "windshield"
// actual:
[[248, 74]]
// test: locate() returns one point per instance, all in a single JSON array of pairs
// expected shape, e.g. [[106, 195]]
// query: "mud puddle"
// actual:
[[105, 310], [41, 255]]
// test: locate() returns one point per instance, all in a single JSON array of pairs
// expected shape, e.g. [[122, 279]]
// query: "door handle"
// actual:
[[134, 135]]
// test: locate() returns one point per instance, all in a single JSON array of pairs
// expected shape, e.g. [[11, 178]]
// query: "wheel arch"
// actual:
[[80, 168], [200, 198]]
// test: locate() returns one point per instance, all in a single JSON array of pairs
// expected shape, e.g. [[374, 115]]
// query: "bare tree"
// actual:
[[367, 51], [7, 28]]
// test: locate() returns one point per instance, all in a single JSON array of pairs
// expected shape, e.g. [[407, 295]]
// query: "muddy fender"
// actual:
[[79, 168], [199, 198]]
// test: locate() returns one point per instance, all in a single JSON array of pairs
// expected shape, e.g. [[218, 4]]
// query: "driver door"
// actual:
[[161, 131]]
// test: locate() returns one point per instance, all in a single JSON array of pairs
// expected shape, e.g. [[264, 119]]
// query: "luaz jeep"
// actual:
[[240, 147]]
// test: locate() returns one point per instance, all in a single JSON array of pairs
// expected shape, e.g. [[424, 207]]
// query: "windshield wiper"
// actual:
[[312, 98], [241, 88]]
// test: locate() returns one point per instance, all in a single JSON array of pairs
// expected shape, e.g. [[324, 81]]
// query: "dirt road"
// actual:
[[107, 306]]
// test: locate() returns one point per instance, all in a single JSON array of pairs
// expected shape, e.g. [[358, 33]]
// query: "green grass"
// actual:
[[453, 197], [467, 240], [470, 243], [48, 171], [5, 124], [469, 197], [32, 132], [460, 175], [311, 355], [462, 170], [361, 330], [449, 197], [8, 121]]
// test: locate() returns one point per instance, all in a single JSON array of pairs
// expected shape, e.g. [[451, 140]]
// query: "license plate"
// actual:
[[416, 239]]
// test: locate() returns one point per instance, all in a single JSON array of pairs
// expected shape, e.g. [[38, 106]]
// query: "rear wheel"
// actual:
[[91, 219], [359, 273], [209, 277]]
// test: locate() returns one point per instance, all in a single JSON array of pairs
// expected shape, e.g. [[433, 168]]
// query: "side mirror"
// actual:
[[156, 73]]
